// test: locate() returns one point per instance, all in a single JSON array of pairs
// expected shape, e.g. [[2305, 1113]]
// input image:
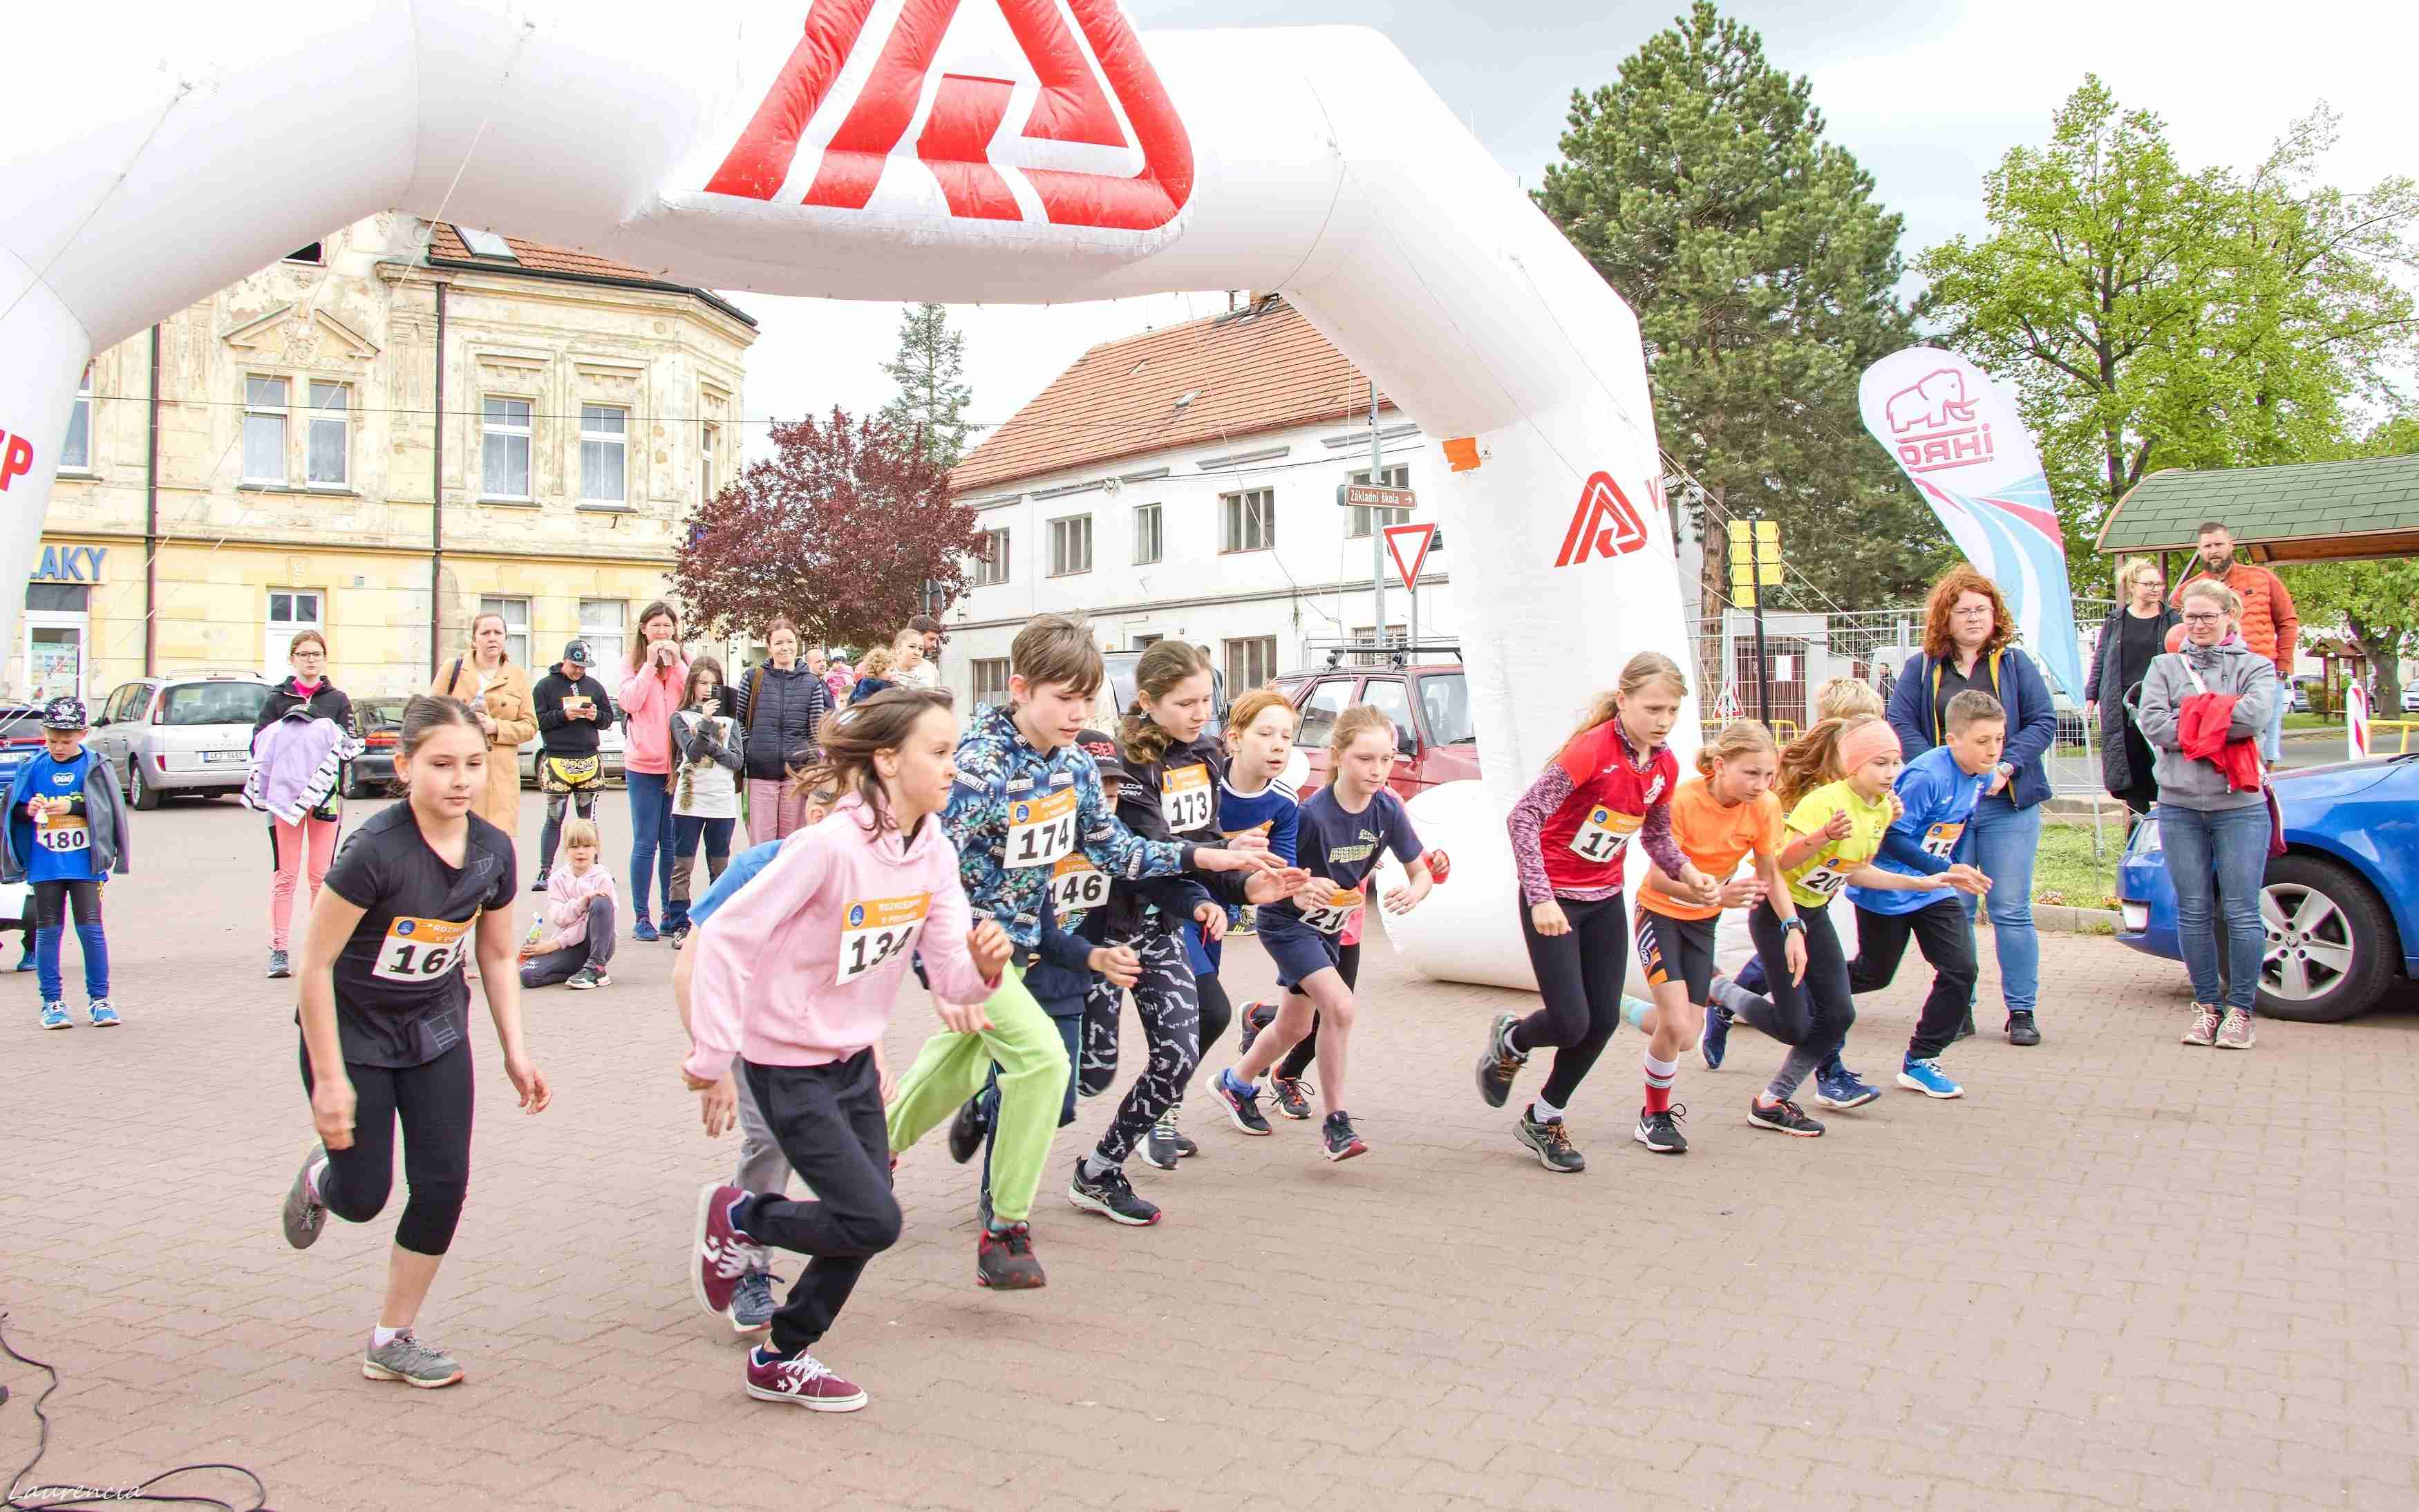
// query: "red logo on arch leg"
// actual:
[[1072, 108], [1606, 524]]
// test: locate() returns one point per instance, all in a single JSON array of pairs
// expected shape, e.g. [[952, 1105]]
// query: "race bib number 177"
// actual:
[[1604, 833]]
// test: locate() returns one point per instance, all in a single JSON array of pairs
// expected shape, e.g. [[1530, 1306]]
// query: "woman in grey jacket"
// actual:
[[2215, 835]]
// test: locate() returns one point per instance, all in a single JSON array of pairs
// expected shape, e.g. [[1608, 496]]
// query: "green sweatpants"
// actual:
[[1033, 1072]]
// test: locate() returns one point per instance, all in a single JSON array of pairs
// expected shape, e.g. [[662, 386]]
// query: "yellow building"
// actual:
[[278, 474]]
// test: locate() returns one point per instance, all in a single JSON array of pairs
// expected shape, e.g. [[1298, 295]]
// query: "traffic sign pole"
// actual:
[[1376, 535]]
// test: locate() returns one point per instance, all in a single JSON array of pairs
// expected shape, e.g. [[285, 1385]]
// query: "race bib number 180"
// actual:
[[420, 950], [873, 929], [1041, 830], [1185, 800], [1604, 832], [63, 835]]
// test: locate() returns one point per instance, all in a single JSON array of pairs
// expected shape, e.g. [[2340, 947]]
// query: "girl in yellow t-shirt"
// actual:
[[1810, 1006]]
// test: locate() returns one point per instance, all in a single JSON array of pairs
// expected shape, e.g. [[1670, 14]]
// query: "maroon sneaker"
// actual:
[[723, 1253], [802, 1380], [1005, 1262]]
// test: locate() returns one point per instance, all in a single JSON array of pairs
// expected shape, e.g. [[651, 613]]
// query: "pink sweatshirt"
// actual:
[[648, 697], [566, 902], [801, 967]]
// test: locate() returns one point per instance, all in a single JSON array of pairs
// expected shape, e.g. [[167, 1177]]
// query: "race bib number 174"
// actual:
[[873, 929], [1041, 830]]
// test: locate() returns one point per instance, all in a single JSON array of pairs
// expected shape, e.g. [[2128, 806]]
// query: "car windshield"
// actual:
[[21, 722], [381, 714], [213, 704], [1445, 697]]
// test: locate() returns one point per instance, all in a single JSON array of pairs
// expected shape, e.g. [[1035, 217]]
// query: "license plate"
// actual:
[[2137, 917], [216, 757]]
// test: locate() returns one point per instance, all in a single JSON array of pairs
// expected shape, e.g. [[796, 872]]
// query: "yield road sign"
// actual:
[[1413, 540]]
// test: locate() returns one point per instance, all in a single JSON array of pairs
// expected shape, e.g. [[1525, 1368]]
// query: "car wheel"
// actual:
[[2330, 949], [139, 792]]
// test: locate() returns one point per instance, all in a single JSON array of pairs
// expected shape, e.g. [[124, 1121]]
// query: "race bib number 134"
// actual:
[[876, 929]]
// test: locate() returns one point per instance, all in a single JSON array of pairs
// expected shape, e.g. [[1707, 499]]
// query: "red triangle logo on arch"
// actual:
[[1073, 73]]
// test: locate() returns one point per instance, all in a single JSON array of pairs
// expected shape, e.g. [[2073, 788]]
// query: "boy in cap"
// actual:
[[572, 710], [66, 831]]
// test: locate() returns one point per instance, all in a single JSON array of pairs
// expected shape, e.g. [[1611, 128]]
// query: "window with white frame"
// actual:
[[264, 430], [1250, 663], [709, 447], [1251, 520], [1070, 545], [76, 455], [1398, 477], [1366, 635], [1149, 543], [604, 454], [516, 623], [328, 461], [991, 682], [991, 568], [291, 611], [604, 624], [505, 449]]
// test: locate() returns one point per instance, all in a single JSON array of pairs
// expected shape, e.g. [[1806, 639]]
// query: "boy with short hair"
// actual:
[[66, 832], [572, 709]]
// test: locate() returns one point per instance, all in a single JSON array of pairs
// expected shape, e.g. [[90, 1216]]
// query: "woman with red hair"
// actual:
[[1969, 639]]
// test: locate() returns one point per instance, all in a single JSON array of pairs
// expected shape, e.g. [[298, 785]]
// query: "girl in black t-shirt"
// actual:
[[385, 1014]]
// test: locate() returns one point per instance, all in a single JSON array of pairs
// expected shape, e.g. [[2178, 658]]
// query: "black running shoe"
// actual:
[[1292, 1095], [1964, 1026], [968, 1129], [2021, 1027], [1499, 1063], [1659, 1132], [1783, 1116], [1112, 1196], [1342, 1143], [1551, 1141], [1242, 1100], [1256, 1017]]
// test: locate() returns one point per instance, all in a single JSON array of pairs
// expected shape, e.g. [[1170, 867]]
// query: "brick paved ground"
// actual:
[[2119, 1274]]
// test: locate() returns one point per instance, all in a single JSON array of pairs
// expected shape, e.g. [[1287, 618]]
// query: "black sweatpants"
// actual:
[[1811, 1017], [432, 1100], [1304, 1054], [1946, 937], [827, 1120], [1580, 975]]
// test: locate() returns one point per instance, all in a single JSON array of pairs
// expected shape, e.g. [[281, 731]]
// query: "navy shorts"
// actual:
[[1300, 951], [1677, 950], [1203, 953]]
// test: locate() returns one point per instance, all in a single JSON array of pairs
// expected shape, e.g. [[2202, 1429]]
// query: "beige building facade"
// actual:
[[280, 472]]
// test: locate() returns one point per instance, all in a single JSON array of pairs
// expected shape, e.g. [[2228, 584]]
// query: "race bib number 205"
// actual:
[[873, 929], [1041, 830], [420, 950]]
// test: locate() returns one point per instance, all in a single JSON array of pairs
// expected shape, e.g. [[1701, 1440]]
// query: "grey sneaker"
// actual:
[[2235, 1033], [2204, 1022], [406, 1358], [752, 1305], [277, 966], [1163, 1146], [1552, 1143], [305, 1215]]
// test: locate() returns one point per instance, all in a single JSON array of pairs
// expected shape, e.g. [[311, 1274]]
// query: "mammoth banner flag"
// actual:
[[1960, 441]]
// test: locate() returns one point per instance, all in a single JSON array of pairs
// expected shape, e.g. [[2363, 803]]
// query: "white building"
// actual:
[[1182, 484]]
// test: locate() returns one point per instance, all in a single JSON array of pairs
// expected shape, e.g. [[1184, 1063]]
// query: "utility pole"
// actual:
[[1377, 533]]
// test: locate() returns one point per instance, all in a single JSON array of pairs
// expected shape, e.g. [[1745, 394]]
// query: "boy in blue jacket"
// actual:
[[66, 831], [1939, 790]]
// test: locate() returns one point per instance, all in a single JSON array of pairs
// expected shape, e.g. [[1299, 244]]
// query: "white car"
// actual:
[[185, 733]]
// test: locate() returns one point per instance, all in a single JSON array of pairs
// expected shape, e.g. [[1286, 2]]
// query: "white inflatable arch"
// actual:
[[1022, 151]]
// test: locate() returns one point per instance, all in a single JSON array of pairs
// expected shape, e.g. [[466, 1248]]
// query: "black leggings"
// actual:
[[1305, 1051], [433, 1100], [1812, 1019], [1216, 1011], [1579, 976]]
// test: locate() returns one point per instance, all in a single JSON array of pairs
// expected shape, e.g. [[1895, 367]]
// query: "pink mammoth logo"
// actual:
[[1933, 402]]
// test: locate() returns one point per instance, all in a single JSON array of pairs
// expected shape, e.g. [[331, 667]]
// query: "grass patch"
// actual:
[[2065, 871]]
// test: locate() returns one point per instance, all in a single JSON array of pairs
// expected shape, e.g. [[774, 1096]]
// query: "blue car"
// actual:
[[2341, 906]]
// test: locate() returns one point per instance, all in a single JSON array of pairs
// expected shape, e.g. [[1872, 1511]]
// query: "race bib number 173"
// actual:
[[873, 929], [1185, 800]]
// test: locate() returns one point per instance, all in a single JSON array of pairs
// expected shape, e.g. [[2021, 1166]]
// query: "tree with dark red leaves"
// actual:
[[839, 532]]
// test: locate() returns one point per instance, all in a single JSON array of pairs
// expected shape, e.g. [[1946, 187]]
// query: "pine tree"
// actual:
[[932, 401], [1764, 276]]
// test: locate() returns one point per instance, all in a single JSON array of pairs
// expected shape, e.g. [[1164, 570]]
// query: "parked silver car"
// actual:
[[185, 733]]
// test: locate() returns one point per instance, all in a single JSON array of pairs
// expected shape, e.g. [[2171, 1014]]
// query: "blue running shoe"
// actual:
[[104, 1016], [1752, 979], [1926, 1076], [1716, 1042], [1842, 1088], [25, 962], [644, 931], [1242, 1100], [54, 1016]]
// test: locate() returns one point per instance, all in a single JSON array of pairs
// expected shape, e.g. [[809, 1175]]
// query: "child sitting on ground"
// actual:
[[572, 941]]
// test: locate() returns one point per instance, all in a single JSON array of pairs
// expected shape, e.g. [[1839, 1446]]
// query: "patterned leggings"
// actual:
[[1169, 1004]]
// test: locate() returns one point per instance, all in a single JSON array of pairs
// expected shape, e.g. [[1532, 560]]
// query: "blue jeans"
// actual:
[[651, 836], [2000, 842], [2220, 854]]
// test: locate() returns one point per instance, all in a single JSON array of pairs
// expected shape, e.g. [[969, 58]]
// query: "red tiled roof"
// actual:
[[447, 243], [1269, 371]]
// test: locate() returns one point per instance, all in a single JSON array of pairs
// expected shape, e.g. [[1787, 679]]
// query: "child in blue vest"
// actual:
[[66, 831]]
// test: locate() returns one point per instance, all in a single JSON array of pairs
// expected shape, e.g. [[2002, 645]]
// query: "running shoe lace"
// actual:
[[794, 1375], [731, 1260], [1674, 1114], [1300, 1085], [1792, 1109], [414, 1355], [1017, 1240], [1557, 1136]]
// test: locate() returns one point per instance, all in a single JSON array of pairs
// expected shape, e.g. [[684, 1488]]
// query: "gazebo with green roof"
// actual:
[[2297, 511]]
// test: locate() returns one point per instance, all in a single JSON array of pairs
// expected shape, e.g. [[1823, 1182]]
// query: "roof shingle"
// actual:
[[2301, 511], [1261, 369]]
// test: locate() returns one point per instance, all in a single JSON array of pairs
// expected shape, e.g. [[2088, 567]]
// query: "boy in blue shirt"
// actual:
[[66, 831], [1939, 790]]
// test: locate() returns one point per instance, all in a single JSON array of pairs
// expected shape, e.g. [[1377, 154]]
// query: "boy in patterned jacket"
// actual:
[[1026, 800]]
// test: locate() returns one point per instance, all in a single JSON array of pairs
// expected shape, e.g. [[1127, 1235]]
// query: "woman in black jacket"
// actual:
[[2128, 640], [313, 840], [780, 704]]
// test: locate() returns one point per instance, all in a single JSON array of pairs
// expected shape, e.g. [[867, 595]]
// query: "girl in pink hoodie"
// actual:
[[796, 975], [649, 693]]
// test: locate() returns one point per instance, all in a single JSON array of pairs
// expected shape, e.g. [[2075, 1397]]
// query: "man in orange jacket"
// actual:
[[2269, 626]]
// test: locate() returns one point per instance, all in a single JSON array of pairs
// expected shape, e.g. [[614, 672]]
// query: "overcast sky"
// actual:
[[1927, 94]]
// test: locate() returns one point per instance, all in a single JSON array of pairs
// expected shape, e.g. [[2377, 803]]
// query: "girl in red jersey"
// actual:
[[1613, 779]]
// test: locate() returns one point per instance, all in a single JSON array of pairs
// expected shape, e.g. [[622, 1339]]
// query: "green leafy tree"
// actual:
[[2376, 603], [2153, 317], [1764, 274], [932, 402]]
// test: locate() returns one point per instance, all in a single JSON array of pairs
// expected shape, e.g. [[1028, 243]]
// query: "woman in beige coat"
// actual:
[[499, 693]]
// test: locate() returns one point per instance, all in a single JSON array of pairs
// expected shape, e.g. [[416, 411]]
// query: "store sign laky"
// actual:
[[70, 563]]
